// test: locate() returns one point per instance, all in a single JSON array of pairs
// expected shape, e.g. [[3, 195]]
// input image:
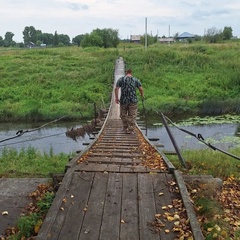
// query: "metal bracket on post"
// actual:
[[173, 141]]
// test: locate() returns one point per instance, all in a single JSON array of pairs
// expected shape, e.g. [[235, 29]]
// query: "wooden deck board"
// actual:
[[147, 208], [93, 216], [48, 226], [109, 206], [129, 212], [112, 208], [164, 199], [92, 167], [73, 212]]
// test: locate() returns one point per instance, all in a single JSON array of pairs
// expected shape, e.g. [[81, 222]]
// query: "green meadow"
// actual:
[[45, 84]]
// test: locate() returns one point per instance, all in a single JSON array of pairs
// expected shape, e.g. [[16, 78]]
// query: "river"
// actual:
[[53, 138]]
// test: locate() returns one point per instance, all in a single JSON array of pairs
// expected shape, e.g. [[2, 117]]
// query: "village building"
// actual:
[[166, 40], [135, 38]]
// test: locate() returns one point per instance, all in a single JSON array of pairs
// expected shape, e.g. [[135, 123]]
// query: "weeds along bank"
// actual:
[[43, 84]]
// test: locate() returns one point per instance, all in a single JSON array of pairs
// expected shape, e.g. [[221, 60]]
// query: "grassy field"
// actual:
[[189, 78], [44, 84]]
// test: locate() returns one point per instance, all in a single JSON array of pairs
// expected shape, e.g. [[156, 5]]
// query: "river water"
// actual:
[[53, 138]]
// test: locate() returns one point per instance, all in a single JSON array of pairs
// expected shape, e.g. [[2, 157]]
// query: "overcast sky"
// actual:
[[74, 17]]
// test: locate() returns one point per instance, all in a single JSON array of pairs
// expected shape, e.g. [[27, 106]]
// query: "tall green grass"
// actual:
[[210, 162], [43, 84], [31, 163], [188, 78]]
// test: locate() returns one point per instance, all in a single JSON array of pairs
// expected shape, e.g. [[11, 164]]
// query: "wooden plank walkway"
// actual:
[[104, 206], [119, 187]]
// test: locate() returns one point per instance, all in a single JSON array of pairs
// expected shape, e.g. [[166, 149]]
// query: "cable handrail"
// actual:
[[19, 133], [200, 138]]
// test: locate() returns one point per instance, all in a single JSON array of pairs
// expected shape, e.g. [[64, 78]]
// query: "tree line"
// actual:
[[31, 36], [105, 38]]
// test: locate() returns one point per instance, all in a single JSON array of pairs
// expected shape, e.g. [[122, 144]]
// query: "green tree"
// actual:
[[8, 41], [150, 39], [77, 40], [227, 33], [109, 37], [106, 38], [47, 38], [213, 35], [55, 39], [1, 41], [30, 34], [92, 40], [64, 39]]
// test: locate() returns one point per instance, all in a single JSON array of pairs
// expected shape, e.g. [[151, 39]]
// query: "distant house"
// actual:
[[30, 45], [166, 40], [43, 45], [185, 35], [135, 38]]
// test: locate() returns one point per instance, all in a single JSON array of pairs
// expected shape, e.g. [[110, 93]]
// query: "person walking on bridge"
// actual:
[[128, 99]]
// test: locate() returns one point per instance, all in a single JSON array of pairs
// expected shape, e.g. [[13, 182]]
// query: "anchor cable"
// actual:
[[200, 138], [21, 132]]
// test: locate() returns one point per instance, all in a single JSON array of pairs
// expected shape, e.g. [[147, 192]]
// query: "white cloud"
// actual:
[[75, 17]]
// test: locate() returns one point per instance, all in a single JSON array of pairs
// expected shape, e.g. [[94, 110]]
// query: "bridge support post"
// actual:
[[174, 142]]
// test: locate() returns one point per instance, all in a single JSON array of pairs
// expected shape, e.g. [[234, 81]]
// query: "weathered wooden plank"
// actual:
[[100, 154], [93, 216], [55, 217], [112, 209], [99, 160], [147, 208], [120, 140], [132, 155], [116, 160], [94, 167], [115, 154], [163, 199], [140, 169], [126, 169], [197, 233], [119, 143], [129, 216], [153, 170], [113, 168], [113, 149], [107, 161], [76, 201]]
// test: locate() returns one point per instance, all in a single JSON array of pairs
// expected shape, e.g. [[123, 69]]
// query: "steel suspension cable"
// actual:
[[200, 138], [21, 132]]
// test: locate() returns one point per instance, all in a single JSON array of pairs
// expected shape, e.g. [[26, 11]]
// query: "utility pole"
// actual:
[[145, 33], [169, 35]]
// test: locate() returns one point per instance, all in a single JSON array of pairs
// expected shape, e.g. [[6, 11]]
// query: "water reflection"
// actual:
[[51, 138]]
